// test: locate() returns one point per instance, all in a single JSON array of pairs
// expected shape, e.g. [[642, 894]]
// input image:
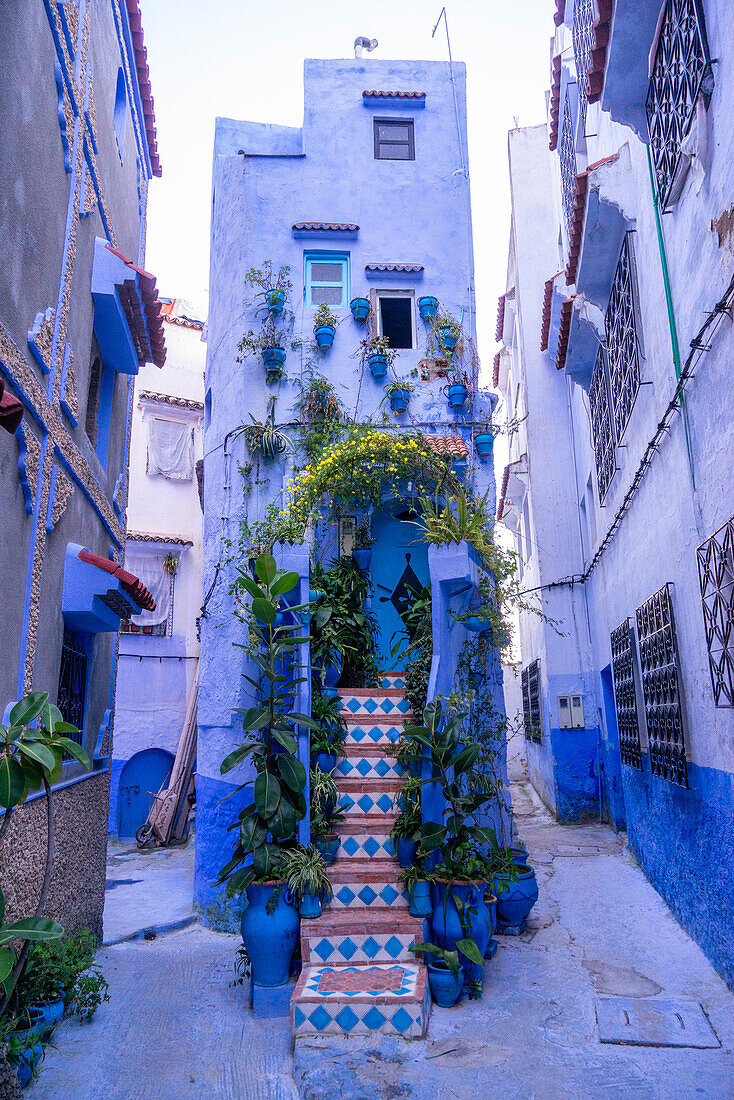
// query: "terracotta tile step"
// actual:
[[369, 693], [385, 998], [347, 870], [352, 786], [376, 824], [351, 922]]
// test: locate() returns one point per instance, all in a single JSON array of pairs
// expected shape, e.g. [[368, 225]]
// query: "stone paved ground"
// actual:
[[176, 1029]]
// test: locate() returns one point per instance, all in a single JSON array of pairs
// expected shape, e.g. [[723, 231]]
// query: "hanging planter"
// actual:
[[273, 358], [266, 438], [378, 364], [484, 443], [324, 335], [275, 300], [363, 556], [360, 308], [476, 624], [399, 400], [447, 337], [427, 306], [457, 394], [420, 899]]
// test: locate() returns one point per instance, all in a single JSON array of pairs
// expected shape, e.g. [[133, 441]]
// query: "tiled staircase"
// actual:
[[358, 976]]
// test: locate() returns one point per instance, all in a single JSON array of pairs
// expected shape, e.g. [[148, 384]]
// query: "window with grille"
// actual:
[[681, 72], [394, 139], [72, 690], [163, 605], [582, 33], [623, 349], [327, 280], [601, 426], [531, 702], [567, 154], [625, 697], [716, 576], [661, 687]]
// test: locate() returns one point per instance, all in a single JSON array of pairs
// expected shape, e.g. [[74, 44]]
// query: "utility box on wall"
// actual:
[[570, 712]]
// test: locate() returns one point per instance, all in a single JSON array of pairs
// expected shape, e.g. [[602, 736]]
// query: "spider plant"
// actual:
[[460, 518], [305, 872]]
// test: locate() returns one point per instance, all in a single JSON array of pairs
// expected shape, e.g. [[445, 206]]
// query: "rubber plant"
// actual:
[[269, 744]]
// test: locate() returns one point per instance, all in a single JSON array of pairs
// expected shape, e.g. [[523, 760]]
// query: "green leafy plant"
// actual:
[[252, 343], [241, 966], [378, 345], [341, 628], [399, 387], [363, 537], [327, 711], [269, 279], [440, 323], [170, 564], [89, 992], [408, 821], [269, 742], [266, 437], [324, 317], [305, 872], [318, 403], [325, 810], [450, 959], [52, 968], [414, 643]]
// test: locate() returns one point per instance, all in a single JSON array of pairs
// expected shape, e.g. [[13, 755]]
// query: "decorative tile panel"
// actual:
[[361, 895], [367, 846], [366, 734], [369, 767], [379, 947], [368, 802]]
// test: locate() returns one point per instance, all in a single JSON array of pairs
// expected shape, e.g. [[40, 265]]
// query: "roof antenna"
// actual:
[[362, 43]]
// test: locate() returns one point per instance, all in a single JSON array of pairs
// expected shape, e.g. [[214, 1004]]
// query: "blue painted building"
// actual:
[[78, 316], [368, 199], [617, 342]]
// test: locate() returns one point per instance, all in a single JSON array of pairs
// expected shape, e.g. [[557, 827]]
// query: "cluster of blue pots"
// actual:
[[360, 308], [377, 364], [324, 335], [399, 400]]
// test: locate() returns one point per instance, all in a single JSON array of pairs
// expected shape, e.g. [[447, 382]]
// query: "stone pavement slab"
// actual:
[[147, 890]]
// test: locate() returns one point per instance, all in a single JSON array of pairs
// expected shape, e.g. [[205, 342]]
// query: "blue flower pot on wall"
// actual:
[[273, 358], [427, 306], [420, 900], [275, 300], [399, 400], [475, 624], [406, 850], [484, 443], [377, 364], [324, 335], [360, 308], [270, 938], [445, 988], [363, 556], [457, 395], [447, 337]]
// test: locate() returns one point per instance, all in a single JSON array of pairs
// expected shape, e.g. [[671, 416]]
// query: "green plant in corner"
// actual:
[[89, 992], [327, 711], [325, 808], [323, 317], [363, 537], [305, 872]]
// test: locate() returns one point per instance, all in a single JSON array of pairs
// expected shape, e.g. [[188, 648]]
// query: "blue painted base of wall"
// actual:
[[271, 1003], [213, 850], [563, 769], [116, 767], [684, 840]]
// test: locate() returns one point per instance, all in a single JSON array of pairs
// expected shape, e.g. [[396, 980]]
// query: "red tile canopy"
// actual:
[[500, 318], [128, 582], [577, 218], [325, 227], [555, 103], [452, 445], [141, 64], [564, 332], [11, 410], [496, 371], [600, 41], [398, 269], [546, 316], [154, 337], [503, 491]]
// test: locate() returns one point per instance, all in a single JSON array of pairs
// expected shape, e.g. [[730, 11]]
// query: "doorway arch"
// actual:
[[141, 778]]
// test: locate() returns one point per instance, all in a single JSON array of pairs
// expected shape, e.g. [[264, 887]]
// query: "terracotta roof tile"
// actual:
[[393, 95], [577, 217], [330, 227], [403, 268], [144, 536], [546, 316], [152, 305], [496, 371], [169, 399], [129, 583], [555, 103], [598, 59], [500, 317], [141, 64], [448, 444], [503, 491], [564, 332]]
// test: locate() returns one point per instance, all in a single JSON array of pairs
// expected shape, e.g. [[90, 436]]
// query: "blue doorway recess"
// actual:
[[142, 777], [399, 564]]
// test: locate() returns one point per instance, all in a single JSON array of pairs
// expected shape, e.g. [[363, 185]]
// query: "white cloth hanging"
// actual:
[[170, 449], [149, 569]]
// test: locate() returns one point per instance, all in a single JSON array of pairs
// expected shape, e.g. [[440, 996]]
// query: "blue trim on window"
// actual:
[[310, 258]]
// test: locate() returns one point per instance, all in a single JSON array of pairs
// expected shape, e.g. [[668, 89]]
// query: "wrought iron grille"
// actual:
[[623, 673], [716, 575], [661, 687], [601, 426], [583, 33], [681, 63], [623, 349], [70, 697], [531, 702], [567, 153]]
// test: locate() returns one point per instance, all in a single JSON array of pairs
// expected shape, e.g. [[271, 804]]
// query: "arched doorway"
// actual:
[[142, 777], [399, 564]]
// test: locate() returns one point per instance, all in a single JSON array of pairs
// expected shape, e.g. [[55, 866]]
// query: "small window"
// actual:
[[170, 449], [327, 280], [71, 696], [100, 392], [396, 320], [394, 139], [119, 116], [532, 719]]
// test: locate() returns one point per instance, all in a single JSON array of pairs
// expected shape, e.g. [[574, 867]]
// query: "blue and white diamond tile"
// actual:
[[371, 735], [363, 1019], [378, 947], [367, 846], [371, 802], [360, 895], [393, 682], [368, 767], [383, 998], [375, 704], [382, 980]]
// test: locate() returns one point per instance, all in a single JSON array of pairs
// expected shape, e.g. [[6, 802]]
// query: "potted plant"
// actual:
[[268, 342], [305, 872], [447, 331], [343, 631], [326, 742], [515, 888], [484, 442], [51, 978], [268, 824], [274, 286], [417, 882], [405, 831], [363, 543], [458, 389], [25, 1047], [360, 308], [379, 355], [407, 753], [399, 394], [325, 323], [319, 401], [266, 437], [325, 813], [444, 973], [427, 307]]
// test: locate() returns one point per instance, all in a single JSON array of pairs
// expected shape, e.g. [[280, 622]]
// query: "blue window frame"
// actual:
[[326, 279]]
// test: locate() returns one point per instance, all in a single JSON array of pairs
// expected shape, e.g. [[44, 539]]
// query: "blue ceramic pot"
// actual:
[[484, 443], [447, 337], [363, 556], [49, 1013], [519, 856], [275, 300], [446, 924], [328, 846], [399, 400], [332, 673], [325, 760], [26, 1061], [490, 902], [310, 907], [378, 364], [414, 768], [273, 358], [406, 851], [427, 306], [270, 938], [515, 899], [457, 395], [360, 308], [445, 988], [420, 902], [324, 336], [476, 624]]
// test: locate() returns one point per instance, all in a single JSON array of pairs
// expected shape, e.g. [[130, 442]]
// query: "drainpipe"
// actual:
[[669, 305]]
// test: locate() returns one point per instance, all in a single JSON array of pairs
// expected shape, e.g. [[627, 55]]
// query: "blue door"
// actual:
[[399, 566], [141, 779]]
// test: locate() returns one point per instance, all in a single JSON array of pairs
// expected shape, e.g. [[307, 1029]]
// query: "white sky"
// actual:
[[244, 59]]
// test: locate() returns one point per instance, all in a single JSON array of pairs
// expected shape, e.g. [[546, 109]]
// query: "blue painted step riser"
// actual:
[[375, 803], [365, 734], [381, 706], [368, 768]]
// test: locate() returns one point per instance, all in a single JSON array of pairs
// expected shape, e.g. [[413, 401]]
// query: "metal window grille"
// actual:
[[625, 697], [326, 279], [582, 32], [716, 576], [681, 66], [623, 349], [531, 702], [567, 153], [394, 139], [661, 687], [601, 426], [71, 695]]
